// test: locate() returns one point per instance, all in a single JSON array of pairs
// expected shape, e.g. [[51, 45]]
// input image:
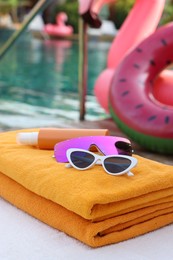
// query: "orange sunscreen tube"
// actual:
[[46, 138]]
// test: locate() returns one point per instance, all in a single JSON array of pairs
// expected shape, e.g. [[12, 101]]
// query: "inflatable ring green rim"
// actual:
[[152, 143]]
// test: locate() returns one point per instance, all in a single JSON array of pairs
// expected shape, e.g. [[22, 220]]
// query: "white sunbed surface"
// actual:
[[23, 237]]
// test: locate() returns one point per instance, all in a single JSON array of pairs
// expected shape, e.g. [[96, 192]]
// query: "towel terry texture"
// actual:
[[92, 206]]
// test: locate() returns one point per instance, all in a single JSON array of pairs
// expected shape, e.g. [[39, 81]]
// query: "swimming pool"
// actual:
[[39, 82]]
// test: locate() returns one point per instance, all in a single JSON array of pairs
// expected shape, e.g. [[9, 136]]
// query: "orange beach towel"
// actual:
[[92, 206]]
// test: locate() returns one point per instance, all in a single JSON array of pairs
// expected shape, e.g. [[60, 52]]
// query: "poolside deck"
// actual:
[[109, 124]]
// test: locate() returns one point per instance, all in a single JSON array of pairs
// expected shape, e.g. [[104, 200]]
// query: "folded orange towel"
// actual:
[[92, 206], [96, 234]]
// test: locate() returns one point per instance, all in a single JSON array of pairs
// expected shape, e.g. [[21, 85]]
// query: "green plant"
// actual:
[[7, 5], [167, 15], [10, 6], [120, 10]]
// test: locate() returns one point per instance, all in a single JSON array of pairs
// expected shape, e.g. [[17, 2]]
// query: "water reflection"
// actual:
[[61, 51], [44, 74]]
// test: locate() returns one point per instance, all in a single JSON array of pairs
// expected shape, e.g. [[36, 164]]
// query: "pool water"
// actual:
[[39, 82]]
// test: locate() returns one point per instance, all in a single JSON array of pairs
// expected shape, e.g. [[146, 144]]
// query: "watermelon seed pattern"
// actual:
[[167, 120], [139, 50], [138, 113], [164, 42], [168, 62], [152, 62], [151, 118], [125, 93], [139, 106], [136, 66], [123, 80]]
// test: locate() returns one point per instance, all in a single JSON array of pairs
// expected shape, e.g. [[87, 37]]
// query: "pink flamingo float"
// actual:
[[146, 115], [60, 28]]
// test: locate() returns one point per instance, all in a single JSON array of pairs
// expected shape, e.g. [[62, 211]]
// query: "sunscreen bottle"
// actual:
[[46, 138]]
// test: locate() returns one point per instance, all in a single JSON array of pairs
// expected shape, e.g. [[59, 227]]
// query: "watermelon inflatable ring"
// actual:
[[132, 102]]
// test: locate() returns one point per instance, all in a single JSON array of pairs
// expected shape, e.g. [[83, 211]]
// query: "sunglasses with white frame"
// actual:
[[113, 164]]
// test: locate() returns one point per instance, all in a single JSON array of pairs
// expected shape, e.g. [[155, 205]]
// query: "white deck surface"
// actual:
[[24, 237]]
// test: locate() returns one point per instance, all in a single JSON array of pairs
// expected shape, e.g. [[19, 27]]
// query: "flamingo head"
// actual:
[[85, 10], [61, 18], [89, 10]]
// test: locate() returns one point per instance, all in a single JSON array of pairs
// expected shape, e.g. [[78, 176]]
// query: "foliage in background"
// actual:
[[118, 12], [7, 5], [123, 7], [167, 15], [71, 9]]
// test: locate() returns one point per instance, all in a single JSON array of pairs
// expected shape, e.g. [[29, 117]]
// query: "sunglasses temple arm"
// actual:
[[130, 173], [68, 165]]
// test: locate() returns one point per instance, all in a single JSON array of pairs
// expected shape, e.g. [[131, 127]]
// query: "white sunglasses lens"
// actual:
[[116, 165], [81, 159]]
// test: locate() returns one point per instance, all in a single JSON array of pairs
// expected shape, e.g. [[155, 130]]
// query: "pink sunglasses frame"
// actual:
[[107, 145]]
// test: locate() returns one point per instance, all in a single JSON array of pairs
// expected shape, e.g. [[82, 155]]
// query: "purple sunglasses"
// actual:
[[108, 145]]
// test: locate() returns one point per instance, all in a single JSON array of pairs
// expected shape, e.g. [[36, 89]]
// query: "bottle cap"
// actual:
[[27, 138]]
